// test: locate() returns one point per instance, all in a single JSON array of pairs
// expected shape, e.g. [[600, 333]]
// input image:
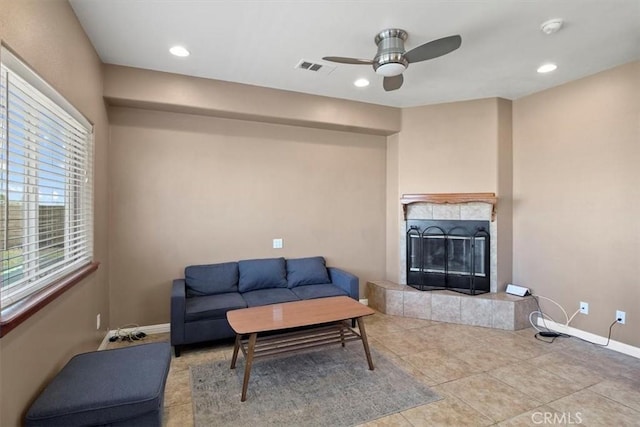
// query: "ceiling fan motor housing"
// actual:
[[390, 60]]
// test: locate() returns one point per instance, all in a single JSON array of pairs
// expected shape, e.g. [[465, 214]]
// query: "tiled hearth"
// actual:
[[492, 310]]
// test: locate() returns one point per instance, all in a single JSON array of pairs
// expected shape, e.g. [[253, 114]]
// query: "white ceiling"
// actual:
[[260, 42]]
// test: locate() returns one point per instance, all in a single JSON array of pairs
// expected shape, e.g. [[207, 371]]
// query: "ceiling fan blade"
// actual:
[[392, 83], [343, 60], [434, 49]]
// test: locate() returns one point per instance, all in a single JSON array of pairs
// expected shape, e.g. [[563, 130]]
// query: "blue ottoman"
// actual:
[[120, 387]]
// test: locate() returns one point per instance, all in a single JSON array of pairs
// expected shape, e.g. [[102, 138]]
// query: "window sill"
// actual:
[[17, 313]]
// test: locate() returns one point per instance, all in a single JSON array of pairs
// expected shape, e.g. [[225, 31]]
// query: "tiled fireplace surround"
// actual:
[[494, 310]]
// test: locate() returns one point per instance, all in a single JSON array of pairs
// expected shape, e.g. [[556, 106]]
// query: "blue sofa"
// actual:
[[200, 301]]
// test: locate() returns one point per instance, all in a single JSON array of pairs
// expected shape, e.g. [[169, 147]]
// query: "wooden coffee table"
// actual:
[[331, 317]]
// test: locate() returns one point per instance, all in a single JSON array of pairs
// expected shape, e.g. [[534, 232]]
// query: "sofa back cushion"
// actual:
[[262, 274], [211, 279], [307, 271]]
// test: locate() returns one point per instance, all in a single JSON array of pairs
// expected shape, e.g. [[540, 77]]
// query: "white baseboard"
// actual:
[[149, 330], [579, 333], [364, 301]]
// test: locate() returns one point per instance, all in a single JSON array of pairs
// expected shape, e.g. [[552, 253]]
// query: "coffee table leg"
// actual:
[[247, 367], [365, 343], [236, 347]]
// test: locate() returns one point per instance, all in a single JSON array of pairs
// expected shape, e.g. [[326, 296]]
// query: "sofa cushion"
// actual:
[[306, 271], [211, 279], [269, 296], [318, 291], [262, 274], [212, 306]]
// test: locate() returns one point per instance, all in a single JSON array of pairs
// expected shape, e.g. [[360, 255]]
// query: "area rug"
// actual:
[[328, 387]]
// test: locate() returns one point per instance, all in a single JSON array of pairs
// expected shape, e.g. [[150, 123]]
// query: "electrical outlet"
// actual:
[[621, 315], [98, 322], [277, 243], [584, 307]]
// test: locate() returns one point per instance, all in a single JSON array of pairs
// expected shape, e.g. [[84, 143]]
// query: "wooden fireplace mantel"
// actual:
[[450, 198]]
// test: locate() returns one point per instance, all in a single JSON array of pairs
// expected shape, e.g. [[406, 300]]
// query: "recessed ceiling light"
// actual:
[[361, 83], [179, 51], [547, 68]]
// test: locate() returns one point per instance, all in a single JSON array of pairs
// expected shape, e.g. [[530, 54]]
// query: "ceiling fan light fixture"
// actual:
[[390, 69], [392, 59]]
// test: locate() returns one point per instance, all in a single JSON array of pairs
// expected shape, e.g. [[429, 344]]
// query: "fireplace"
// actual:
[[440, 257], [448, 254]]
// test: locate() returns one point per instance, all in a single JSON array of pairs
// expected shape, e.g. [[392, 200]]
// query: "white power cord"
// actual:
[[128, 332], [543, 315]]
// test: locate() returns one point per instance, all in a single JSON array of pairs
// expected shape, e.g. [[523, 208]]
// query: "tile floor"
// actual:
[[485, 376]]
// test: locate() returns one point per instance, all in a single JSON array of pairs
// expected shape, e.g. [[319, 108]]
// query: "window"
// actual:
[[46, 188]]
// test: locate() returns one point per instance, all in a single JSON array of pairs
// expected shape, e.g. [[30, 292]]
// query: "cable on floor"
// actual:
[[547, 335], [128, 332], [608, 336]]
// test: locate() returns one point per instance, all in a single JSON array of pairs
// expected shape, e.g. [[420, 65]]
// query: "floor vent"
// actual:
[[303, 64]]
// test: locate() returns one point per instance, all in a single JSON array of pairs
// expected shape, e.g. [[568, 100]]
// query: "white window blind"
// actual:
[[46, 188]]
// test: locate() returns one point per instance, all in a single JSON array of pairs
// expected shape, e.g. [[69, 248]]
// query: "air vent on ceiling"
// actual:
[[303, 64]]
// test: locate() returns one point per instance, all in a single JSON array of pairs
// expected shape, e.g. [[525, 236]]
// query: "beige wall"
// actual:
[[188, 189], [447, 148], [504, 210], [135, 87], [394, 211], [47, 36], [577, 198]]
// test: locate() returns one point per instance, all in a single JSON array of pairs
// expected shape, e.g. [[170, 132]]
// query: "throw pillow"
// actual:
[[307, 271], [262, 274], [211, 279]]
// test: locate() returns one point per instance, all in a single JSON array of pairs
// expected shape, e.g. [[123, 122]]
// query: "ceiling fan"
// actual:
[[391, 59]]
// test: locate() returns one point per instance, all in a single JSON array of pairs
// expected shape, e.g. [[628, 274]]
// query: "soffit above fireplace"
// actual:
[[450, 198]]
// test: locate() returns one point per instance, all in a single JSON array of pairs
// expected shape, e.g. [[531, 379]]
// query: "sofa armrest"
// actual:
[[346, 281], [178, 303]]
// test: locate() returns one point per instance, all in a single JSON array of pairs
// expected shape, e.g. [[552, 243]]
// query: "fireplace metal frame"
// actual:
[[420, 273]]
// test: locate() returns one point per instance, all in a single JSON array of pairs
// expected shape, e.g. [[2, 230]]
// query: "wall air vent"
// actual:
[[303, 64]]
